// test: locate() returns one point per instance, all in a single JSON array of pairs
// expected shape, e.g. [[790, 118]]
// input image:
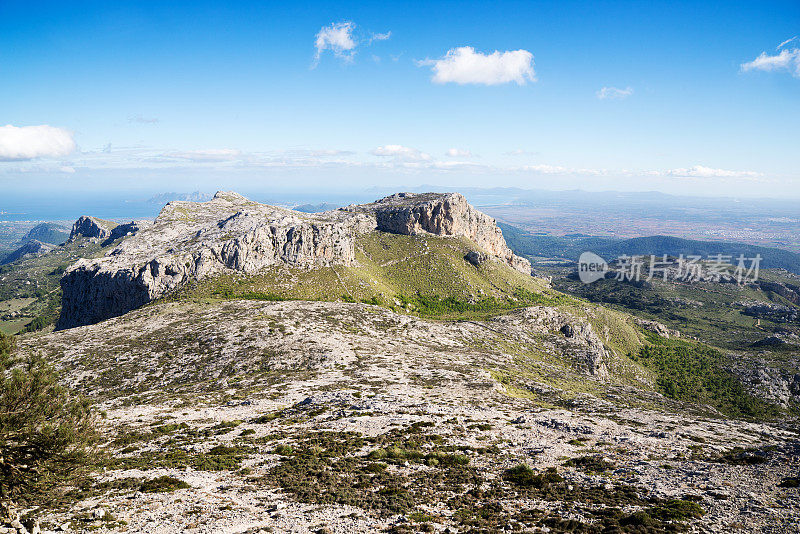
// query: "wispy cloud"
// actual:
[[338, 38], [520, 152], [544, 168], [787, 41], [379, 37], [20, 143], [142, 120], [222, 154], [787, 59], [700, 171], [389, 157], [614, 93], [400, 152], [463, 65]]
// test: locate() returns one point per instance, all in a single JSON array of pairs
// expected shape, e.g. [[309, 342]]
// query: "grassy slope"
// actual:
[[392, 270]]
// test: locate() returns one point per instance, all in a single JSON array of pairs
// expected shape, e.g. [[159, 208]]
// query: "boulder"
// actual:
[[476, 258]]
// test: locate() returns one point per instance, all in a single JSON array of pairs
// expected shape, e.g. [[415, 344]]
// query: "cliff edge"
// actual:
[[194, 240]]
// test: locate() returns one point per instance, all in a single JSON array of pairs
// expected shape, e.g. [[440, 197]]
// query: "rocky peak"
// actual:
[[194, 240], [444, 214], [87, 226]]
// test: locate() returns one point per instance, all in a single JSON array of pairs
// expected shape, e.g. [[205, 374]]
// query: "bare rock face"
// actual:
[[91, 227], [447, 214], [193, 240]]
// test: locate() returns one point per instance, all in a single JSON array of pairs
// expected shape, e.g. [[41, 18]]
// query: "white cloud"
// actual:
[[379, 37], [544, 168], [458, 153], [338, 38], [29, 142], [614, 93], [699, 171], [401, 152], [221, 154], [787, 59], [142, 120], [341, 39], [463, 65], [787, 41]]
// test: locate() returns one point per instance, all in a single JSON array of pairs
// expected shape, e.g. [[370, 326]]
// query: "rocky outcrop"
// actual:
[[447, 214], [91, 227], [28, 250], [193, 240], [476, 258], [572, 336], [123, 230], [659, 328]]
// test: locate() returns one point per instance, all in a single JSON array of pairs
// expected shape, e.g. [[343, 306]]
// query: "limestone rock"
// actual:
[[578, 341], [87, 226], [123, 230], [447, 214], [476, 258], [659, 328], [193, 240]]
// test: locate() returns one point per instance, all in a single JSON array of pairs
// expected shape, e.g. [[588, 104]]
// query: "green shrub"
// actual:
[[676, 510], [695, 373], [284, 450], [47, 433], [163, 484], [524, 476], [590, 464]]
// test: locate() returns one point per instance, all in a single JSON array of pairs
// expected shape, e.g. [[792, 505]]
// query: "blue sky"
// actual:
[[692, 98]]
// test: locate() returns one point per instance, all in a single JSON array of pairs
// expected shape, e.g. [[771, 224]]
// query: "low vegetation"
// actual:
[[694, 372], [47, 434], [425, 275]]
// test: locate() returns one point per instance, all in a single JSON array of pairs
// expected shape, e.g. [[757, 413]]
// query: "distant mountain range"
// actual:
[[163, 198], [569, 247]]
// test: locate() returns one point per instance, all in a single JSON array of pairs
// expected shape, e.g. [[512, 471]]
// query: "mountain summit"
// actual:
[[191, 241]]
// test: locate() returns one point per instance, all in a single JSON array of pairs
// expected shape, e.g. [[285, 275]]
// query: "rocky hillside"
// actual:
[[30, 249], [256, 417], [393, 367], [192, 241]]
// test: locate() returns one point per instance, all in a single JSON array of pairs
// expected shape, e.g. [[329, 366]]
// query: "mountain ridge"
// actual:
[[192, 241]]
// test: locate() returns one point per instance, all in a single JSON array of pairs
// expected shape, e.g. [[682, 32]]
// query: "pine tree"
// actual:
[[47, 433]]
